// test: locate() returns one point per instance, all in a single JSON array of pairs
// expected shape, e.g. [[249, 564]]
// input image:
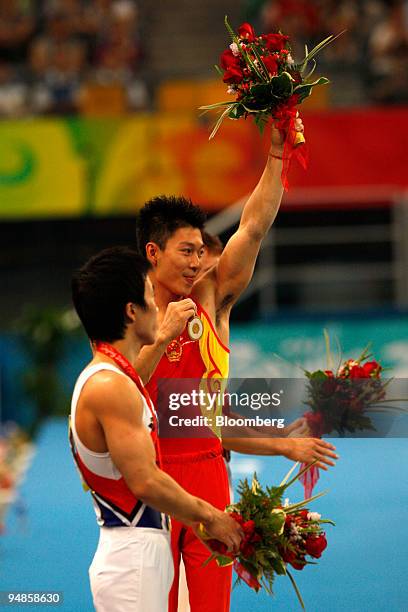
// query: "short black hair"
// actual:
[[161, 216], [102, 288]]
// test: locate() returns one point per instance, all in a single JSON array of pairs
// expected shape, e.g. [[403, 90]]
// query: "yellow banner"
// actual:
[[71, 167]]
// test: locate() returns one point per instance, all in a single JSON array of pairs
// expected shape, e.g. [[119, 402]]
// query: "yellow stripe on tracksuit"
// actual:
[[214, 380]]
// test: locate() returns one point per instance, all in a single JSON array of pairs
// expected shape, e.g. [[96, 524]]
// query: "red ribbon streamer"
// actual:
[[309, 479], [246, 576], [111, 352], [284, 119]]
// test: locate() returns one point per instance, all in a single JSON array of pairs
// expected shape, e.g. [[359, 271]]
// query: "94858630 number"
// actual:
[[32, 598]]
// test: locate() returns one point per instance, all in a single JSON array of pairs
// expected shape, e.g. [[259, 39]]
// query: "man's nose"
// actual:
[[195, 261]]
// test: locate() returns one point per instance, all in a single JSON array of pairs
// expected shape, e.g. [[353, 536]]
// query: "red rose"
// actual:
[[233, 75], [329, 386], [237, 517], [329, 373], [228, 60], [357, 372], [218, 546], [303, 514], [315, 546], [246, 31], [249, 527], [271, 64], [247, 549], [275, 42], [315, 422], [290, 557], [256, 538], [372, 369]]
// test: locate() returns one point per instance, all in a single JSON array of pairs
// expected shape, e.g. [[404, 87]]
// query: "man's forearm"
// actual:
[[149, 358], [163, 493], [263, 204], [257, 446]]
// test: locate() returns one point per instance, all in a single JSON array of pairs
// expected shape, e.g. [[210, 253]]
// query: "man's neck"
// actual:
[[162, 295], [128, 347]]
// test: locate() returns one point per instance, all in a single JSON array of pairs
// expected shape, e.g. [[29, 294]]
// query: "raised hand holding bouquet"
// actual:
[[267, 83], [277, 534]]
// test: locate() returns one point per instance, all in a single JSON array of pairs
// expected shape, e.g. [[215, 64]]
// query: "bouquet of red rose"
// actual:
[[277, 534], [341, 398], [264, 78]]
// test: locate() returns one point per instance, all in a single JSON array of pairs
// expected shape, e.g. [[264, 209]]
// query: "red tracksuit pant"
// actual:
[[202, 474]]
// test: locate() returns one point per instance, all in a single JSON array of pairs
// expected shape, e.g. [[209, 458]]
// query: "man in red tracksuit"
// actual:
[[170, 235]]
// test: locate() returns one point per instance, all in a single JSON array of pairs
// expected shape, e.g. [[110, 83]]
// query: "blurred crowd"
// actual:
[[52, 52], [55, 53], [16, 453], [373, 50]]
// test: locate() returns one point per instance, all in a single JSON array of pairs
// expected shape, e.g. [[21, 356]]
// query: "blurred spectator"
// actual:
[[388, 45], [13, 92], [118, 54], [370, 57], [17, 26], [53, 52]]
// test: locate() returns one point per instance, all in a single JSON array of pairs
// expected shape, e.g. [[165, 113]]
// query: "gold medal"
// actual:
[[195, 328]]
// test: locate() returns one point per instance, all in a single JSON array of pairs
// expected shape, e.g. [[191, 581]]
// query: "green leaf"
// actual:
[[277, 520], [237, 112], [261, 120], [304, 91], [309, 55], [223, 561], [282, 85], [261, 63], [289, 474], [296, 589], [208, 107], [293, 507], [219, 121]]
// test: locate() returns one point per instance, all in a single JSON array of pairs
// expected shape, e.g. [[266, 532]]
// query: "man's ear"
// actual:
[[130, 311], [152, 250]]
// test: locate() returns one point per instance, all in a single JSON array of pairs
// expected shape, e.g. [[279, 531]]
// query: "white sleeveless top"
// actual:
[[114, 503]]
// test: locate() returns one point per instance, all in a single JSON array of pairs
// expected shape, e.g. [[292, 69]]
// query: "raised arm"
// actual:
[[118, 408], [236, 264]]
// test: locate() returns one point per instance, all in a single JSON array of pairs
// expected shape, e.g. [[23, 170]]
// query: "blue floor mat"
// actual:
[[363, 568]]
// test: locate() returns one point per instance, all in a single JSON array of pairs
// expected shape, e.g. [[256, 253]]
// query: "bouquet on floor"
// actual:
[[277, 534], [264, 78]]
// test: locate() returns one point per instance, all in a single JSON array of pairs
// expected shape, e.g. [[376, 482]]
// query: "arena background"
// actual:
[[98, 107]]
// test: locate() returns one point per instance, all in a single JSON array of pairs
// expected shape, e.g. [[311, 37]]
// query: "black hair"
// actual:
[[161, 216], [102, 288]]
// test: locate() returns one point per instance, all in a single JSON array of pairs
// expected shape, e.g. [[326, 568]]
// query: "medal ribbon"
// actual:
[[125, 365]]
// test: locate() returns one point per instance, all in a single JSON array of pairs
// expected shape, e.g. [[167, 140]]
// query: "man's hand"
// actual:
[[176, 316], [307, 450], [298, 429], [278, 137], [225, 529]]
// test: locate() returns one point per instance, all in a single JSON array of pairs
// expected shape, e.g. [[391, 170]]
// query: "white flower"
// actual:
[[313, 516], [231, 90], [234, 48], [290, 60], [286, 502]]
